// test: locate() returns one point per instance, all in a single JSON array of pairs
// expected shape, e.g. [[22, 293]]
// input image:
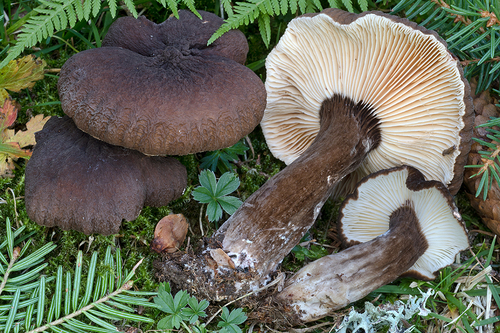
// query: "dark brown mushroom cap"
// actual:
[[77, 182], [184, 98], [188, 32]]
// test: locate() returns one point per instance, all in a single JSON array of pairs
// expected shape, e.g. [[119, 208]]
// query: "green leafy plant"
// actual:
[[220, 159], [215, 193], [313, 252], [231, 320], [185, 310], [100, 297]]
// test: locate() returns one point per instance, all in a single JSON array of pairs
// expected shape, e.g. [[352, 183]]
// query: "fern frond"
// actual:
[[226, 4], [113, 6], [190, 4], [265, 29], [348, 5], [244, 14], [51, 16], [131, 7]]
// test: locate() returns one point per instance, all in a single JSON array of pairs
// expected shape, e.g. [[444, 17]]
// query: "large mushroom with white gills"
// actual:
[[346, 94]]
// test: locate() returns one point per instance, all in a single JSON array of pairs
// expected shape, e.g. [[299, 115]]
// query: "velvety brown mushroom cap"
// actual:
[[158, 89], [77, 182], [188, 32], [404, 72]]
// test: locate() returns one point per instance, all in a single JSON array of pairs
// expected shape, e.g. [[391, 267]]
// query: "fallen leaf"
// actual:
[[20, 74], [27, 137], [8, 113], [13, 144]]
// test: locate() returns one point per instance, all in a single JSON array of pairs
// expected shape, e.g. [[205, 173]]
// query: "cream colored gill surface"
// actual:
[[368, 217], [407, 76]]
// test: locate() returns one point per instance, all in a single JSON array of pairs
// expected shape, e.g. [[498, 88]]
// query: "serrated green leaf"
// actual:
[[202, 194], [264, 23], [230, 204], [207, 179], [214, 211], [228, 183]]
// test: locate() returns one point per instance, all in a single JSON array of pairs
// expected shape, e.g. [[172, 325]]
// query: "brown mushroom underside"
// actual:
[[158, 89], [77, 182]]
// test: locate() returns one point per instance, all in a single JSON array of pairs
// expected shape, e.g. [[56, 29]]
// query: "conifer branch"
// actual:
[[15, 256], [126, 286]]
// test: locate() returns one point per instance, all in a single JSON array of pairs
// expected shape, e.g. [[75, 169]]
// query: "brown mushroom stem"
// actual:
[[274, 219], [334, 281]]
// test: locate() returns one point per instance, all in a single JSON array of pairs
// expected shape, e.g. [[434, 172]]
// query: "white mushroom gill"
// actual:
[[389, 65], [367, 218]]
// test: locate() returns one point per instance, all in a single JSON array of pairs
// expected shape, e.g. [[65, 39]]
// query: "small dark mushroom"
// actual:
[[159, 89], [77, 182], [420, 231]]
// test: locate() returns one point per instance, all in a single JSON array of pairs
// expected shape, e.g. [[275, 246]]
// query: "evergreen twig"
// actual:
[[12, 261], [126, 286]]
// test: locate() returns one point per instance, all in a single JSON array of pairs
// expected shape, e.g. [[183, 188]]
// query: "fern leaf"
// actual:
[[334, 3], [190, 4], [302, 6], [244, 14], [227, 7], [363, 4], [172, 5], [96, 7], [317, 4], [284, 7], [348, 5], [51, 16], [87, 8], [265, 29], [112, 7], [276, 7], [293, 6], [71, 16], [130, 5], [266, 8], [78, 9]]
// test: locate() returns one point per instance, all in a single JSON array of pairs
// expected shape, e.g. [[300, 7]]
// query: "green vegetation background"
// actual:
[[256, 165]]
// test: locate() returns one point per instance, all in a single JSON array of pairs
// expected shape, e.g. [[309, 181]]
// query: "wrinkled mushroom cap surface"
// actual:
[[158, 89], [403, 71], [77, 182], [365, 215]]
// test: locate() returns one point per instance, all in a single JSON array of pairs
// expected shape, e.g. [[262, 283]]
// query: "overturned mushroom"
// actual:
[[159, 89], [419, 232], [346, 91], [343, 89], [77, 182]]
